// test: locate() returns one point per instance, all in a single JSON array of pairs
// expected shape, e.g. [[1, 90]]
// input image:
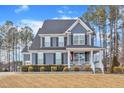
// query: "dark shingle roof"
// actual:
[[25, 49], [55, 26], [51, 27]]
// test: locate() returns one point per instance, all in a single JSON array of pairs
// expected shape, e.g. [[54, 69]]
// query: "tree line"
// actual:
[[12, 39], [108, 22]]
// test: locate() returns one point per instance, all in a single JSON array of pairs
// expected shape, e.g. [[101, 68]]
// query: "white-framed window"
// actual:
[[47, 41], [58, 58], [40, 58], [61, 41], [26, 57], [78, 39], [79, 58]]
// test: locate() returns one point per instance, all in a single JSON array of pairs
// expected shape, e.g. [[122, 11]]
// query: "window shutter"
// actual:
[[57, 41], [71, 39], [43, 41], [86, 43], [44, 61], [51, 41], [62, 58], [54, 58]]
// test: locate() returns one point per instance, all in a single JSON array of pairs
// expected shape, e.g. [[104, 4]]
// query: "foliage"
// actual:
[[24, 68], [117, 69], [42, 68], [30, 69], [114, 63], [38, 68], [53, 68], [65, 69], [87, 68], [75, 68]]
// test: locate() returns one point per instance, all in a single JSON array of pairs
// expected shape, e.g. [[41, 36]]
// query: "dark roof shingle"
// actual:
[[55, 26]]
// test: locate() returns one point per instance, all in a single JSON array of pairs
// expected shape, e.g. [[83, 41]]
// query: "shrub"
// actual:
[[75, 68], [24, 68], [122, 69], [42, 68], [87, 68], [65, 69], [47, 67], [30, 69], [60, 67], [117, 69], [1, 70], [53, 68], [115, 63]]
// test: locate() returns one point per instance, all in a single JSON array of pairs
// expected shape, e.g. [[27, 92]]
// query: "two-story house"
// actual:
[[68, 42]]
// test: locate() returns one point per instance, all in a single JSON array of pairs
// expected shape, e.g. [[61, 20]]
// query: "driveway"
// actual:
[[6, 73]]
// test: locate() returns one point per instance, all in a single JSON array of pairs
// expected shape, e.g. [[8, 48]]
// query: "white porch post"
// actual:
[[31, 58], [100, 61], [68, 59], [91, 61]]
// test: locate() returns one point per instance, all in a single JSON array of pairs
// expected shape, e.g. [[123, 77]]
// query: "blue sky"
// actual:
[[34, 15]]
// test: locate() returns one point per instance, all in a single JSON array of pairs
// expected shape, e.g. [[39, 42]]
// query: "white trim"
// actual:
[[91, 61], [51, 35], [47, 51], [82, 23], [68, 59], [83, 49], [90, 39]]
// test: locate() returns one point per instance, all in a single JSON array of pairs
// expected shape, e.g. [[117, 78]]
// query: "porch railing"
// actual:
[[79, 62]]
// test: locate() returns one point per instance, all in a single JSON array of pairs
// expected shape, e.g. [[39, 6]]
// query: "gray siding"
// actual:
[[49, 58], [78, 29]]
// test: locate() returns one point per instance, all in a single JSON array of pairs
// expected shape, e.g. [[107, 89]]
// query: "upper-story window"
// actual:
[[47, 41], [61, 41], [78, 39]]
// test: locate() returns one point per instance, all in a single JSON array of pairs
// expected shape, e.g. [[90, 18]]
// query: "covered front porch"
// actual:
[[84, 56]]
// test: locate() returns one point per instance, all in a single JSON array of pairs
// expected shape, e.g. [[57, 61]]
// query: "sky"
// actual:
[[34, 15]]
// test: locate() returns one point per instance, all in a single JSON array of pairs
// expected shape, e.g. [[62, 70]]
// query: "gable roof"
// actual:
[[55, 26], [51, 27]]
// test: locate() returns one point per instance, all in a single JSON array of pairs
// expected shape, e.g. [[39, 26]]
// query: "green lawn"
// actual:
[[61, 80]]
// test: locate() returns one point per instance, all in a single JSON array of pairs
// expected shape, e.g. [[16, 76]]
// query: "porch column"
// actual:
[[31, 58], [68, 59], [91, 61], [100, 61]]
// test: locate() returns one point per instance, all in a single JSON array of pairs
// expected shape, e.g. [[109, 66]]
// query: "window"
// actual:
[[40, 58], [78, 39], [79, 58], [26, 57], [47, 41], [61, 41], [58, 58]]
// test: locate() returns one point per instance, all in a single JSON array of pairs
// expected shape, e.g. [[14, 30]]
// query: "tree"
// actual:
[[26, 35], [122, 50]]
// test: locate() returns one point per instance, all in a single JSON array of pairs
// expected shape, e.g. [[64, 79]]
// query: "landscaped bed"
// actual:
[[62, 80]]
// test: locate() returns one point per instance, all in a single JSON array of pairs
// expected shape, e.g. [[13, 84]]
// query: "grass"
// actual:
[[62, 80]]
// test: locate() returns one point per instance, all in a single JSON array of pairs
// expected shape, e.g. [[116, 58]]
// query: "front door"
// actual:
[[79, 58]]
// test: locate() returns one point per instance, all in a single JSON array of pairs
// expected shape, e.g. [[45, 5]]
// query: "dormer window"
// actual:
[[78, 39]]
